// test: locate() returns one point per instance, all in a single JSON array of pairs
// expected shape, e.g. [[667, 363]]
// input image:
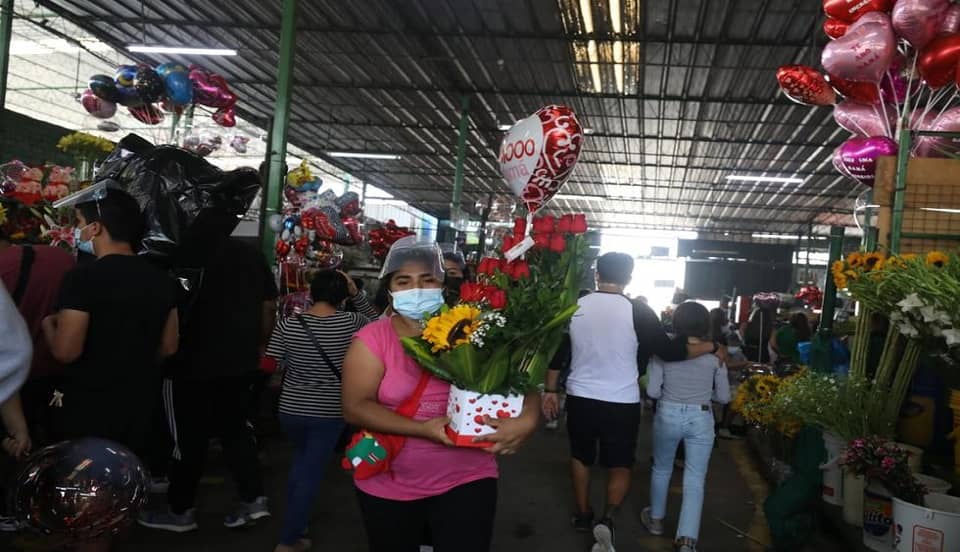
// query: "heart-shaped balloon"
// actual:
[[935, 146], [330, 226], [239, 143], [864, 120], [125, 75], [178, 87], [539, 153], [104, 87], [805, 85], [859, 156], [98, 107], [938, 61], [849, 11], [149, 85], [918, 21], [835, 28], [865, 52], [950, 22], [225, 117], [838, 162], [860, 92], [210, 89], [147, 114]]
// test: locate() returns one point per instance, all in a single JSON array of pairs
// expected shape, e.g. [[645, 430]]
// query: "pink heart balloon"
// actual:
[[935, 146], [859, 156], [950, 22], [838, 162], [918, 21], [864, 120], [225, 116], [210, 89], [865, 52]]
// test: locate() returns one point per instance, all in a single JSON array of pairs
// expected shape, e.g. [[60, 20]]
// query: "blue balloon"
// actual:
[[125, 75], [128, 96], [104, 87], [169, 67], [179, 88]]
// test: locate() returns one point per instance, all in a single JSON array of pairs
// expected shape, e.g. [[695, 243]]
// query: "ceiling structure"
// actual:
[[678, 95]]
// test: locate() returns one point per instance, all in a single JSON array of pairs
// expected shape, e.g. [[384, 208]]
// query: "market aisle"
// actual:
[[533, 513]]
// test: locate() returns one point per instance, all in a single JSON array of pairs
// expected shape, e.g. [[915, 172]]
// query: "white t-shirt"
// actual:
[[603, 342]]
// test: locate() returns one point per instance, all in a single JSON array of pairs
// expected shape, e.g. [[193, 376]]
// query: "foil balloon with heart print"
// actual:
[[939, 61], [805, 85], [864, 120], [849, 11], [865, 52], [940, 146], [539, 153], [860, 92], [918, 21], [858, 156], [96, 106], [834, 28]]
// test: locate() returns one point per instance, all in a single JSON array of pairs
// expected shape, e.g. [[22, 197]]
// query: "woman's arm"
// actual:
[[513, 432], [655, 378], [362, 374], [17, 442], [721, 385]]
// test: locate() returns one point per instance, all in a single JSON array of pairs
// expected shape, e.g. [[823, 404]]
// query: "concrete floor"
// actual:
[[533, 514]]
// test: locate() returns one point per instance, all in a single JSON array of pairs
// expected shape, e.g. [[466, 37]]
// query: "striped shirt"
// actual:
[[310, 387]]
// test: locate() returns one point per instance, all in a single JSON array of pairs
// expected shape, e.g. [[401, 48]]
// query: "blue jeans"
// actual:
[[694, 426], [313, 442]]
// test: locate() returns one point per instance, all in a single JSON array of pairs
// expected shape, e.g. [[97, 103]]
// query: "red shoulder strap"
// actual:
[[409, 406]]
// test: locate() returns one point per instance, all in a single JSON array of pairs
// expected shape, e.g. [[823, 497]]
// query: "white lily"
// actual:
[[929, 313], [895, 317], [908, 330], [952, 336], [909, 302]]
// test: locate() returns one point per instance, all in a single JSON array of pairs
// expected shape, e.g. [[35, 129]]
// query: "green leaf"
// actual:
[[564, 316], [498, 368], [466, 363], [420, 351]]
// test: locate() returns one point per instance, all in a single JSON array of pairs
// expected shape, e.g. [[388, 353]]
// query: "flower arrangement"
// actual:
[[832, 403], [878, 459], [756, 400], [81, 144]]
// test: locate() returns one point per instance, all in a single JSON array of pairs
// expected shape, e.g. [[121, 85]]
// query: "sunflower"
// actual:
[[909, 257], [838, 267], [840, 280], [855, 259], [895, 262], [873, 261], [937, 259], [452, 328]]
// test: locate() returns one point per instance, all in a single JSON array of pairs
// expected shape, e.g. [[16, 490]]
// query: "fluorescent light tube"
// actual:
[[748, 178], [786, 237], [182, 50], [940, 210], [362, 155]]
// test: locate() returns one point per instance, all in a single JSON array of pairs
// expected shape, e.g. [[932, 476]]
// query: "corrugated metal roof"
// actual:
[[678, 93]]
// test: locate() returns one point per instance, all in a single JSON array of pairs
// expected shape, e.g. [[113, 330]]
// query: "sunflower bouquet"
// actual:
[[756, 402], [496, 343]]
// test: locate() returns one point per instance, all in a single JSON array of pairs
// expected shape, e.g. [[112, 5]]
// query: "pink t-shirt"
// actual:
[[423, 468]]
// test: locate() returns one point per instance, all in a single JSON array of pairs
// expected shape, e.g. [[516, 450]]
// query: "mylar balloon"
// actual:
[[128, 96], [864, 120], [938, 61], [936, 146], [80, 489], [950, 22], [166, 105], [865, 52], [918, 21], [539, 153], [239, 143], [149, 85], [146, 113], [225, 117], [859, 156], [210, 89], [835, 28], [849, 11], [98, 107], [805, 85], [179, 87], [125, 75], [861, 92], [165, 69], [104, 87], [108, 126]]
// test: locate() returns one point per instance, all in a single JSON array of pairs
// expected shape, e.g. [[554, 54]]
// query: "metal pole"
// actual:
[[6, 32], [870, 232], [461, 156], [829, 288], [900, 192], [273, 197], [484, 217]]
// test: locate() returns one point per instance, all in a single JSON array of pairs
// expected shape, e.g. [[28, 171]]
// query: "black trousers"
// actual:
[[199, 410], [460, 520]]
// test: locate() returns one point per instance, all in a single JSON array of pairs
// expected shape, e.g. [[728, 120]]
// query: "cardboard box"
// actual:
[[466, 410]]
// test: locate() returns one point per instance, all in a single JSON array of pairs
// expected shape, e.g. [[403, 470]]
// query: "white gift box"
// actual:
[[466, 410]]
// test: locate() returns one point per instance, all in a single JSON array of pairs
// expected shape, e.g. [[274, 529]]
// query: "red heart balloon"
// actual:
[[835, 28], [225, 117], [860, 92], [805, 85], [282, 248], [938, 61], [849, 11]]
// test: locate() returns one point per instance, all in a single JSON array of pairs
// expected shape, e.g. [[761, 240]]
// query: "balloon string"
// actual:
[[946, 106], [886, 118], [896, 100]]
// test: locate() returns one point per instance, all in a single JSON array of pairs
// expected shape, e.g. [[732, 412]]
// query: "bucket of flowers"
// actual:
[[496, 343]]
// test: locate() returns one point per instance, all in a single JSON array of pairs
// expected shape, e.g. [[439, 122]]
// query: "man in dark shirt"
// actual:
[[224, 335]]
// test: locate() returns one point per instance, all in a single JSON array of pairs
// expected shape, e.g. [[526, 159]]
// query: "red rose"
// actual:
[[497, 298], [488, 265], [543, 225], [541, 241], [471, 293], [565, 224], [579, 224], [508, 243], [519, 270], [558, 243], [519, 228]]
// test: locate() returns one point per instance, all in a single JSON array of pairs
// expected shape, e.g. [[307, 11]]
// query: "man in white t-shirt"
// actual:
[[607, 337]]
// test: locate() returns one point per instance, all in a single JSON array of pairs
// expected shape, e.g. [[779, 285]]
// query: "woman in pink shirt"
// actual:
[[431, 485]]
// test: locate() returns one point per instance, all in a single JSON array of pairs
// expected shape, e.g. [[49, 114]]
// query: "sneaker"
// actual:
[[685, 544], [603, 534], [582, 523], [724, 433], [247, 513], [653, 526], [169, 521], [159, 485]]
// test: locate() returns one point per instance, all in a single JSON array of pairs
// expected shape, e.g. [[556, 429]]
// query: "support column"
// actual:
[[6, 32], [273, 196], [829, 288]]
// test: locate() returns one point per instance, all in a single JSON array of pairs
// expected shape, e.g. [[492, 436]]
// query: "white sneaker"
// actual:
[[653, 526]]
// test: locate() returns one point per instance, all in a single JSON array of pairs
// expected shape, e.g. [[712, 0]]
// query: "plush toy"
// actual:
[[29, 190]]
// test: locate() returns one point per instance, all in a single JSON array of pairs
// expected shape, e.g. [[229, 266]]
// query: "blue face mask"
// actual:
[[85, 246], [417, 303]]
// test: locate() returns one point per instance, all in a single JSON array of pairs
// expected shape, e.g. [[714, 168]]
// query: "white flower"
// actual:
[[936, 330], [952, 336], [911, 301], [929, 313], [895, 317], [908, 330]]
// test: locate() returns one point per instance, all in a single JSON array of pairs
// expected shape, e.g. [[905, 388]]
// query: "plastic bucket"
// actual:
[[832, 488], [933, 484], [934, 528]]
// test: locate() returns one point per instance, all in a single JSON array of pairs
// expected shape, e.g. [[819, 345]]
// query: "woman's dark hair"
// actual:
[[329, 286], [691, 319], [801, 326], [718, 319], [120, 213]]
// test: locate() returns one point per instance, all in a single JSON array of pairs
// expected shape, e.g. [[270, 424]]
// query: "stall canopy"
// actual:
[[678, 95]]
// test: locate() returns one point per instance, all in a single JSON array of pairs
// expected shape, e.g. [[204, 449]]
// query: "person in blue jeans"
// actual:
[[310, 349], [684, 414]]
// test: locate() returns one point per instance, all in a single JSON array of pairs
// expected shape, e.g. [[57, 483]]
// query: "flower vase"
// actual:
[[853, 486], [466, 410], [877, 517], [84, 170]]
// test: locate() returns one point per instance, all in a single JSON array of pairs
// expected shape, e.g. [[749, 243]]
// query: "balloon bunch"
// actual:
[[382, 238], [767, 300], [891, 64], [811, 296], [140, 88]]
